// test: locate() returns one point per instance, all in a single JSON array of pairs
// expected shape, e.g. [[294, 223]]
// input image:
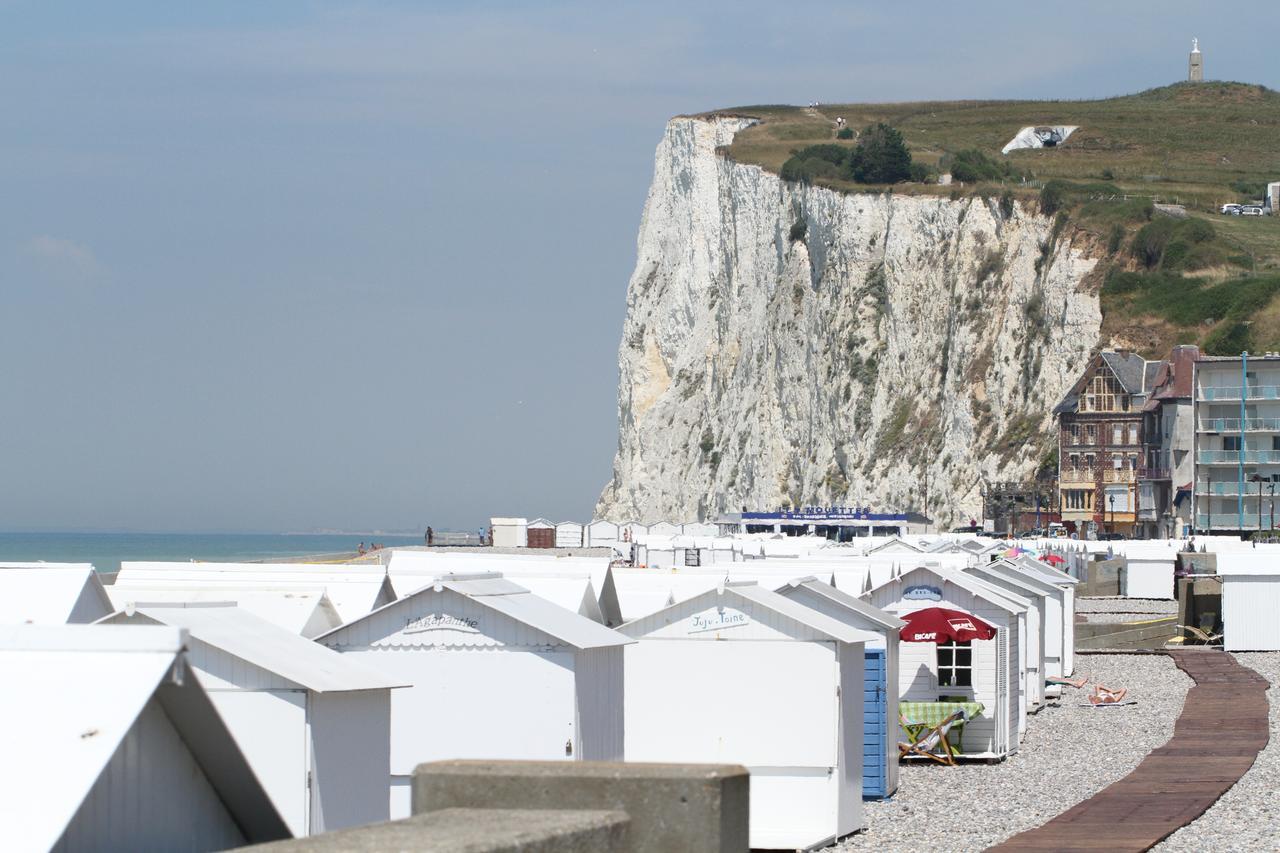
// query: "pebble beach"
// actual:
[[1069, 753]]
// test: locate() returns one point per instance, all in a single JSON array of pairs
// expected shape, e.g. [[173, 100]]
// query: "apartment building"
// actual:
[[1168, 467], [1237, 442], [1102, 446]]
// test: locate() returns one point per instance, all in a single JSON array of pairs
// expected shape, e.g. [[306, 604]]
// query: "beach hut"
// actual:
[[699, 529], [51, 594], [1023, 591], [664, 528], [601, 534], [509, 532], [496, 673], [1148, 571], [540, 533], [880, 676], [767, 683], [895, 546], [1067, 584], [305, 612], [314, 725], [1250, 601], [1054, 613], [985, 672], [568, 534], [354, 590], [109, 744]]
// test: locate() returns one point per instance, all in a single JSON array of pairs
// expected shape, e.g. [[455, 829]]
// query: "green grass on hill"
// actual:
[[1198, 145]]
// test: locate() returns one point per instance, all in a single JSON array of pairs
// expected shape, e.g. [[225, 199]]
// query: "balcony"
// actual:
[[1233, 457], [1089, 476], [1154, 474], [1232, 425], [1232, 392], [1231, 521]]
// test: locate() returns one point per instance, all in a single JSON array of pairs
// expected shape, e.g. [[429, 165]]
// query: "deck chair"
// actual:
[[932, 739], [1203, 636], [1077, 683]]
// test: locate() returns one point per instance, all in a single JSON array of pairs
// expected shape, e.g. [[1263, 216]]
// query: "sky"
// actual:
[[357, 265]]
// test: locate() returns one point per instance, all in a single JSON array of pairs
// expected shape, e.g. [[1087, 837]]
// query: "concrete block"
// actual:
[[673, 807], [473, 831]]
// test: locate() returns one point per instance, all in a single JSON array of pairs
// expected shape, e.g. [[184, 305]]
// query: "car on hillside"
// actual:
[[1231, 209], [1251, 211]]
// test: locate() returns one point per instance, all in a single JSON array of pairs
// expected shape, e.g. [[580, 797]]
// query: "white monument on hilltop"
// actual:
[[1195, 65]]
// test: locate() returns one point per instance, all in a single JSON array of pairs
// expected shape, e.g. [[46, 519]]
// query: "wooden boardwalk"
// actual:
[[1222, 728]]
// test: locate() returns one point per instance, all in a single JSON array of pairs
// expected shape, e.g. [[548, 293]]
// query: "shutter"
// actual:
[[875, 725], [1001, 711]]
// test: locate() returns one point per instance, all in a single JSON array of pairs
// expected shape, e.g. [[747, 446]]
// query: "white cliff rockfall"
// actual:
[[789, 344]]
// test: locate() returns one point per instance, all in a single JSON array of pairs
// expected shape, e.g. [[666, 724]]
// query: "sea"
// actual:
[[107, 550]]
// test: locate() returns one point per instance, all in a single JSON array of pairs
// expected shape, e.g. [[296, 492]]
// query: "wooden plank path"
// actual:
[[1222, 727]]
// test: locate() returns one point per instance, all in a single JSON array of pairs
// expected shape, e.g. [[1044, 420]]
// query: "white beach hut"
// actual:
[[1250, 601], [568, 534], [601, 534], [664, 528], [994, 677], [1067, 584], [509, 532], [305, 612], [51, 594], [769, 684], [1037, 645], [880, 676], [354, 590], [109, 744], [314, 725], [1148, 570], [496, 672], [1054, 615], [700, 529]]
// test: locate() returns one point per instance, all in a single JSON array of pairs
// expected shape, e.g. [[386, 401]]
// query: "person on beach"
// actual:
[[431, 536]]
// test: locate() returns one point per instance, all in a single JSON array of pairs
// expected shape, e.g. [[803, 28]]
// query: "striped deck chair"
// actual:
[[932, 739]]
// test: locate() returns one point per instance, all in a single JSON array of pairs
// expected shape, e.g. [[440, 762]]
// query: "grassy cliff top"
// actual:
[[1191, 139], [1196, 144]]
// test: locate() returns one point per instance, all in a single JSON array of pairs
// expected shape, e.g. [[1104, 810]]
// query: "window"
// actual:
[[1091, 434], [955, 665], [1231, 442], [1275, 442], [1073, 434], [1133, 433], [1075, 461], [1117, 434], [1133, 462], [1117, 460]]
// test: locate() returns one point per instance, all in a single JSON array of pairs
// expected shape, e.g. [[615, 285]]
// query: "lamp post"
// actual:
[[1271, 505], [1111, 499]]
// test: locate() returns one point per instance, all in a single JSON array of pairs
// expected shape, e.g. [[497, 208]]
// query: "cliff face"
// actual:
[[899, 340]]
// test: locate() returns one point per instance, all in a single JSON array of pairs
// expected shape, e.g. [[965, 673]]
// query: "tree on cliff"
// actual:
[[881, 157]]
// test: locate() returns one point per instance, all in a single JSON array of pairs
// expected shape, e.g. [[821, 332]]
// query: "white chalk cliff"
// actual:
[[900, 340]]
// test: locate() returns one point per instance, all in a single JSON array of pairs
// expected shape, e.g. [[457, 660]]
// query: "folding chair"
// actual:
[[933, 738], [1202, 636]]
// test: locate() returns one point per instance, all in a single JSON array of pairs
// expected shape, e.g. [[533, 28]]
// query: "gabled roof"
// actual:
[[73, 693], [305, 612], [51, 594], [1036, 580], [896, 544], [968, 583], [238, 632], [503, 596], [863, 608], [1128, 367], [768, 599], [1044, 570]]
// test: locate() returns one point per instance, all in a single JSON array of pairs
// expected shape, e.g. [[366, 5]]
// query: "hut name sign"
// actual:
[[922, 593], [717, 620], [441, 622]]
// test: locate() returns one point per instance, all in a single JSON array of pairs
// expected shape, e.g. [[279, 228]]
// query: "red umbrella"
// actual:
[[942, 625], [1053, 559]]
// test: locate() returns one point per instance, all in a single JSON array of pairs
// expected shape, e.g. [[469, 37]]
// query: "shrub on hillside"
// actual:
[[880, 157], [922, 174], [844, 133], [1053, 196], [971, 165], [1006, 204], [799, 229], [817, 161], [1176, 244]]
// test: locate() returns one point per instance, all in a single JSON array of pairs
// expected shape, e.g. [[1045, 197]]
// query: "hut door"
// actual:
[[875, 731]]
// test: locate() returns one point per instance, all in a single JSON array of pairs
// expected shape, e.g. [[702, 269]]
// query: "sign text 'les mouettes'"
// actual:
[[716, 620], [441, 622]]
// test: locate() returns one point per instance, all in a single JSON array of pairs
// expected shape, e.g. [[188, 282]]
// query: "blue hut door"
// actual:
[[875, 728]]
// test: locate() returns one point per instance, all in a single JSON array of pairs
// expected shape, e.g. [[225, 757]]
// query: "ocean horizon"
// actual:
[[107, 550]]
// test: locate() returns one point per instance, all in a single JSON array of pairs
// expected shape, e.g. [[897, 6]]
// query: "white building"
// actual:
[[568, 534], [314, 725], [51, 594], [994, 676], [602, 534], [496, 672], [304, 612], [109, 744], [1058, 611], [354, 590], [1250, 601], [880, 676], [509, 532], [743, 675]]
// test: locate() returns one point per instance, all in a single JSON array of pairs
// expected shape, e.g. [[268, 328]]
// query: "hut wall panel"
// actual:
[[152, 795], [350, 758], [600, 704], [270, 727], [1249, 606]]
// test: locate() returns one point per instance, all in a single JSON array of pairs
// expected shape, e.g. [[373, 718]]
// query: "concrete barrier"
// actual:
[[1102, 578], [673, 807], [475, 831]]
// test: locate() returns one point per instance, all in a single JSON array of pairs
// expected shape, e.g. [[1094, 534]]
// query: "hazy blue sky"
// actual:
[[286, 265]]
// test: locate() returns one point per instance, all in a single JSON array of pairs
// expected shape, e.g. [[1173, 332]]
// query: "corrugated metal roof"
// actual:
[[864, 608], [47, 593], [305, 612], [248, 637], [503, 596], [781, 605], [71, 695]]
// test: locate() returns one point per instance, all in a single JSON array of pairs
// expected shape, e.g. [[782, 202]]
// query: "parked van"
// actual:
[[1251, 211]]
